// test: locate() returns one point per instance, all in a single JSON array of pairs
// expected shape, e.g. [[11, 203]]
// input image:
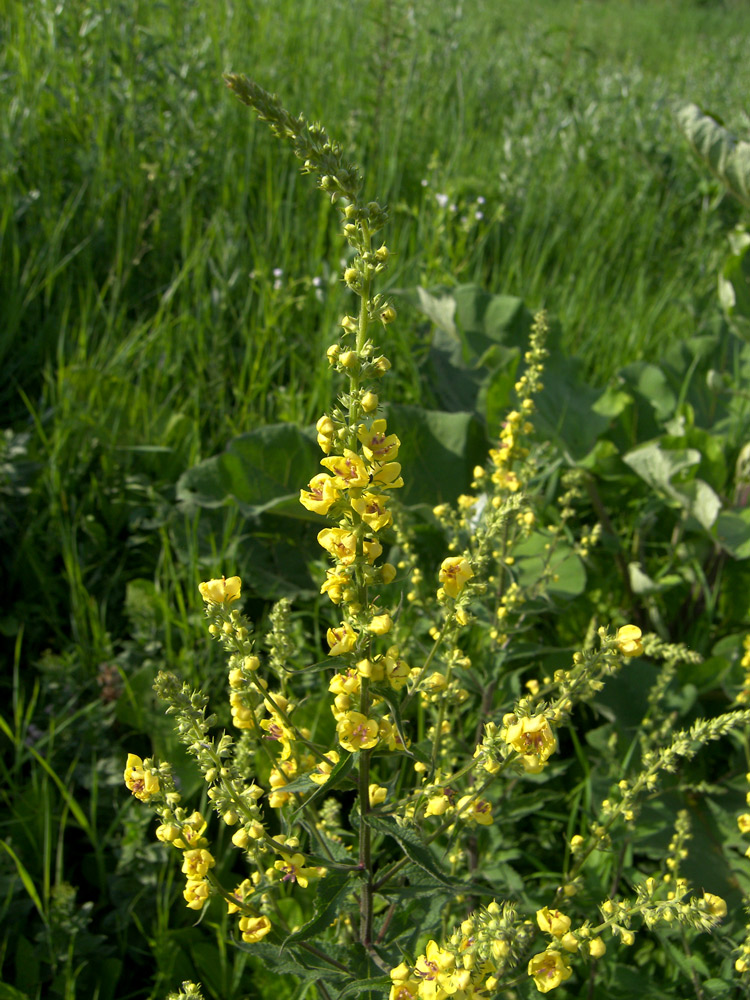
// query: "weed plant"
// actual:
[[429, 819], [169, 284]]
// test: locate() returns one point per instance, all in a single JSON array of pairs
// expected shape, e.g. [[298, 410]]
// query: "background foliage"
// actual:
[[169, 285]]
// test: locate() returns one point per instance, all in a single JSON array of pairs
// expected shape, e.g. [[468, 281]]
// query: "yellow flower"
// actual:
[[337, 581], [293, 868], [533, 738], [142, 783], [341, 639], [221, 591], [435, 968], [480, 811], [240, 894], [743, 821], [254, 928], [377, 794], [388, 476], [628, 640], [380, 624], [323, 769], [454, 572], [195, 864], [376, 444], [597, 947], [397, 670], [371, 508], [437, 805], [348, 470], [357, 732], [549, 969], [715, 905], [341, 544], [552, 922], [196, 893], [191, 834], [321, 494]]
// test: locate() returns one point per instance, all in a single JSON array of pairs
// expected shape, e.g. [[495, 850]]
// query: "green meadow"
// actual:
[[169, 281]]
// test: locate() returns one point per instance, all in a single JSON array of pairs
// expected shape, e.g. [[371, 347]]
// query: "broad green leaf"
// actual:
[[727, 157], [652, 384], [566, 409], [440, 309], [732, 530], [11, 993], [263, 471], [642, 583], [657, 466], [438, 452], [296, 962]]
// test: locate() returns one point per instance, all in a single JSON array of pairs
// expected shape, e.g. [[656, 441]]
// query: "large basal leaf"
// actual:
[[733, 532], [659, 467], [476, 335], [262, 470], [727, 157], [438, 452]]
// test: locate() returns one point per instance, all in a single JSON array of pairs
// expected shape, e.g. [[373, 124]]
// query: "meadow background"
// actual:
[[169, 281]]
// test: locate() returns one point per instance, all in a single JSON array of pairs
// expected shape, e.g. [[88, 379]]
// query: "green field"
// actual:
[[169, 281]]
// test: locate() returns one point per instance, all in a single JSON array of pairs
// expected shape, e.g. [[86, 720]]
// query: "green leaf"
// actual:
[[339, 773], [378, 983], [440, 309], [732, 530], [413, 848], [726, 157], [26, 879], [263, 470], [642, 583], [734, 284], [438, 452], [11, 993], [329, 894], [659, 467], [294, 962], [716, 988]]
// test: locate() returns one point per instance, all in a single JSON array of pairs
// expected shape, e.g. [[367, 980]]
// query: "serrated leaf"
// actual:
[[329, 892], [414, 849], [294, 962], [364, 986]]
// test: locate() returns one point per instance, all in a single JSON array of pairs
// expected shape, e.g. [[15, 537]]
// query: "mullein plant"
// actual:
[[427, 740]]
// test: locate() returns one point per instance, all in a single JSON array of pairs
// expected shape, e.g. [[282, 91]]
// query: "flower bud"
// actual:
[[369, 402]]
